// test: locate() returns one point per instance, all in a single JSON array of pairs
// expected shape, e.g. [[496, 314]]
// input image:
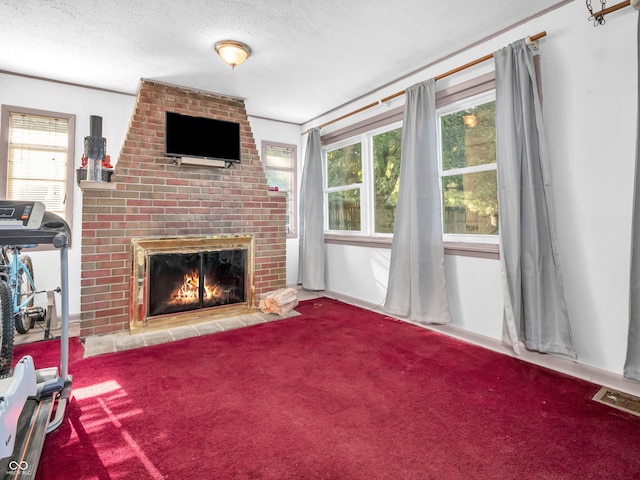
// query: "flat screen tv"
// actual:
[[199, 137]]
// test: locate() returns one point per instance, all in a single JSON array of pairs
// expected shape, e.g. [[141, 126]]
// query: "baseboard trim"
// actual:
[[566, 366]]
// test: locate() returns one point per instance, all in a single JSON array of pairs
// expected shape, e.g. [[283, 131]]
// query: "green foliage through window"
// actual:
[[386, 178], [362, 183], [344, 166], [469, 186], [344, 169]]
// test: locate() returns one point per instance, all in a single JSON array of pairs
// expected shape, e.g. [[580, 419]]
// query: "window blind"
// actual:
[[279, 156], [37, 160]]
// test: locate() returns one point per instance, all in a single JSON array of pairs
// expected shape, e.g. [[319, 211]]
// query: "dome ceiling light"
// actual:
[[232, 53]]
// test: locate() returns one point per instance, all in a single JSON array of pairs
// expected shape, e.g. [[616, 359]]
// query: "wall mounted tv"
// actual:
[[199, 137]]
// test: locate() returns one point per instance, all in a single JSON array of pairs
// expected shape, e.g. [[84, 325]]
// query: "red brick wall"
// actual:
[[154, 198]]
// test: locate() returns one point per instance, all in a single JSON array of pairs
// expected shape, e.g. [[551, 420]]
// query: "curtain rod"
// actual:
[[529, 39], [612, 9]]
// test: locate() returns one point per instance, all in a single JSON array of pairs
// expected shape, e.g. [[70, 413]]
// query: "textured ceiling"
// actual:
[[308, 57]]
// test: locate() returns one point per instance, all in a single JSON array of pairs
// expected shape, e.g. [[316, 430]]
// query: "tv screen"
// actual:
[[188, 136]]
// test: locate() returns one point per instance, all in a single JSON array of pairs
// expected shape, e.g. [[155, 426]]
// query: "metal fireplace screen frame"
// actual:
[[142, 248]]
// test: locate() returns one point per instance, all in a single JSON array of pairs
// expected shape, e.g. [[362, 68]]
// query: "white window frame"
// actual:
[[447, 109], [292, 231], [4, 151], [366, 188]]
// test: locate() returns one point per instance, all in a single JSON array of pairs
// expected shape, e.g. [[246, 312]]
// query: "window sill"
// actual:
[[478, 250], [359, 241]]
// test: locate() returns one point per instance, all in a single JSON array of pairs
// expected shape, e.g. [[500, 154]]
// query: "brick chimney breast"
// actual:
[[153, 197]]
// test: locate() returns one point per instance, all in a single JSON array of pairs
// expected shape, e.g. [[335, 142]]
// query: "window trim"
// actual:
[[477, 250], [383, 119], [293, 199], [4, 150]]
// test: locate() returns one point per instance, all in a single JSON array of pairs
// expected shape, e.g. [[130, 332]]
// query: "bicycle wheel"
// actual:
[[22, 321], [6, 318]]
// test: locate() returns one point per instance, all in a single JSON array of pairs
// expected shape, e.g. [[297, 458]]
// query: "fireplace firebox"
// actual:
[[178, 279]]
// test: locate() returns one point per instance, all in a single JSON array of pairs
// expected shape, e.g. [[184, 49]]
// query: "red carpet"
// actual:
[[336, 393]]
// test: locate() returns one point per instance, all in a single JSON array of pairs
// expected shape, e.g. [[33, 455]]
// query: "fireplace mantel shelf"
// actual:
[[89, 185]]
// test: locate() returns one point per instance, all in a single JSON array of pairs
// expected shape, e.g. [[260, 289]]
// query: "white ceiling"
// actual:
[[308, 57]]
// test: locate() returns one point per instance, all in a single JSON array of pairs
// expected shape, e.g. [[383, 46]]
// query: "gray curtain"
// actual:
[[311, 219], [632, 364], [535, 310], [417, 286]]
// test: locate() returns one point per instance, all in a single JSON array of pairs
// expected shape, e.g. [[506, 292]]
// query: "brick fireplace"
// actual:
[[151, 197]]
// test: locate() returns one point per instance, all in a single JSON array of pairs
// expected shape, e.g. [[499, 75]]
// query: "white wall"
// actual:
[[115, 110], [357, 272], [590, 106], [281, 132], [590, 110]]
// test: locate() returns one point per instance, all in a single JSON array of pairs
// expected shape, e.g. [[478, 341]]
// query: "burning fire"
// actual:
[[188, 291]]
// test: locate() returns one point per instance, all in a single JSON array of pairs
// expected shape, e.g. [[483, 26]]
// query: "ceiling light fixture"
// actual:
[[233, 53]]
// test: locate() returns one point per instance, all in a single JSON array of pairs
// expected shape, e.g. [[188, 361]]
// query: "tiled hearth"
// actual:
[[121, 341]]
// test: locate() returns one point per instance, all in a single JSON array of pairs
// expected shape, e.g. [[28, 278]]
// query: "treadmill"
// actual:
[[28, 397]]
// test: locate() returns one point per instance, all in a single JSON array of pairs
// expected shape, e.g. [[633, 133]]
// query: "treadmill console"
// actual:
[[28, 224], [17, 215]]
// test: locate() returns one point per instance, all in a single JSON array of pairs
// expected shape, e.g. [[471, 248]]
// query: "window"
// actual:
[[362, 172], [36, 158], [362, 176], [344, 188], [468, 169], [280, 167], [386, 178]]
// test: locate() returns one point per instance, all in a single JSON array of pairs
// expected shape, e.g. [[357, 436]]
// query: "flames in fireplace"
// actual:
[[194, 280], [189, 291]]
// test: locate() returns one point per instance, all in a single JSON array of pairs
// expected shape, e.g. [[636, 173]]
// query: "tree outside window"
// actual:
[[386, 178], [468, 168], [344, 185], [363, 175]]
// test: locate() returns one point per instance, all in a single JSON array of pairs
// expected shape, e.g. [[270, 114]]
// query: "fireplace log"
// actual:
[[279, 301]]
